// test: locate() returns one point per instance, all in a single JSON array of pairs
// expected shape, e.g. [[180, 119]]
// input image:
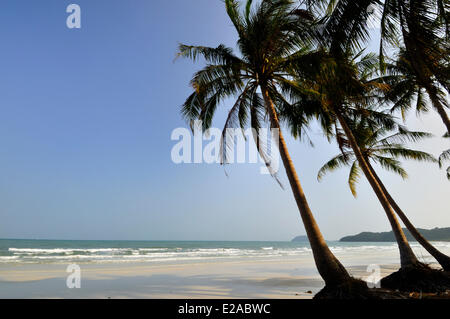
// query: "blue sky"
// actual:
[[85, 125]]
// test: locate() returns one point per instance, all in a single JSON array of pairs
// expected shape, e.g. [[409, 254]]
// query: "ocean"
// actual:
[[93, 251]]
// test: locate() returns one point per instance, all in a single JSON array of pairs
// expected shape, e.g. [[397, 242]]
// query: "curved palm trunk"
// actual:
[[443, 259], [329, 267], [407, 257]]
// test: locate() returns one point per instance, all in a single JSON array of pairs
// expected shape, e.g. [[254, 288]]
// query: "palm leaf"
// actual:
[[219, 55], [334, 164], [354, 175], [445, 156], [403, 136], [391, 165], [400, 152]]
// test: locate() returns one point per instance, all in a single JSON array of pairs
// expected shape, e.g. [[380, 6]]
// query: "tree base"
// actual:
[[355, 289], [418, 279]]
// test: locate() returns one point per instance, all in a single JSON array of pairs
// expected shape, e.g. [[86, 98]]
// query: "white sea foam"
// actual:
[[177, 254], [66, 250]]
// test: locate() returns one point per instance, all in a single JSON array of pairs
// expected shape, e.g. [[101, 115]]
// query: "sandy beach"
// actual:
[[292, 278], [247, 274]]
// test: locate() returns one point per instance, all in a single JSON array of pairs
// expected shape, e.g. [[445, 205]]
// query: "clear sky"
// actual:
[[85, 122]]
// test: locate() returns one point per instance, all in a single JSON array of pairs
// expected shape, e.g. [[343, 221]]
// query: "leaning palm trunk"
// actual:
[[329, 267], [407, 257], [443, 259]]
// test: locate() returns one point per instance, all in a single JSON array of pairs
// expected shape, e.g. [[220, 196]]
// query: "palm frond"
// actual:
[[404, 136], [219, 55], [405, 153], [334, 164], [354, 175], [391, 165], [445, 156], [232, 7], [236, 118]]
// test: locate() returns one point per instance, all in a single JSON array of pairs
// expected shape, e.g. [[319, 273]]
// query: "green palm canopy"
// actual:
[[273, 41]]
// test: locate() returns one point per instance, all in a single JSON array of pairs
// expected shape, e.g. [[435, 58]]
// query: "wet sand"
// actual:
[[290, 278]]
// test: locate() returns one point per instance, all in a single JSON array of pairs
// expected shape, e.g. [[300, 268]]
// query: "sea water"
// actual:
[[93, 251]]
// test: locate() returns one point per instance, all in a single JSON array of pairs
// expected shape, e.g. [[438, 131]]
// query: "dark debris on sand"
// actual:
[[358, 289], [418, 279]]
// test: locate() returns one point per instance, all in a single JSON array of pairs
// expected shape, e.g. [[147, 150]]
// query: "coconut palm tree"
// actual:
[[384, 150], [337, 87], [340, 86], [408, 90], [421, 25], [272, 37], [346, 30]]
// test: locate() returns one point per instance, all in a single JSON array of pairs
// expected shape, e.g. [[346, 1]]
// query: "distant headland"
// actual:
[[436, 234]]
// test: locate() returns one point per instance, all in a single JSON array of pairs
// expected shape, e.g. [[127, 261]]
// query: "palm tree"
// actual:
[[408, 89], [269, 41], [345, 30], [425, 46], [339, 86], [384, 150], [420, 24]]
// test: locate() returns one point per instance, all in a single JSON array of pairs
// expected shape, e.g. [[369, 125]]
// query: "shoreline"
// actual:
[[249, 277]]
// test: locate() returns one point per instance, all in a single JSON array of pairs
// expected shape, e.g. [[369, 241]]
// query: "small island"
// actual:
[[302, 238], [436, 234]]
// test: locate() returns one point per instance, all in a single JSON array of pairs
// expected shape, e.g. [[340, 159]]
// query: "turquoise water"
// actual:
[[93, 251]]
